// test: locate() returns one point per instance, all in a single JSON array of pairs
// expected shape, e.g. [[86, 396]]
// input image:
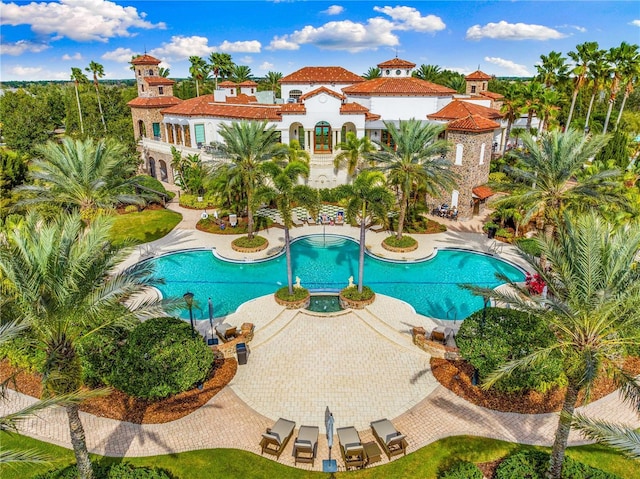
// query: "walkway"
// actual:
[[361, 364]]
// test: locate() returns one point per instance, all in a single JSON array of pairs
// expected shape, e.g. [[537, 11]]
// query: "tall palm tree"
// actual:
[[599, 71], [593, 309], [368, 196], [531, 94], [548, 107], [583, 55], [249, 144], [372, 73], [417, 159], [629, 75], [511, 110], [63, 280], [546, 173], [240, 73], [283, 189], [98, 72], [295, 153], [81, 174], [221, 65], [429, 73], [552, 69], [352, 152], [619, 57], [78, 77], [272, 80], [198, 70]]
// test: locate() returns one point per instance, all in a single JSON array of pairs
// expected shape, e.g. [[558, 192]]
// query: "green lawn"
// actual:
[[232, 463], [143, 227]]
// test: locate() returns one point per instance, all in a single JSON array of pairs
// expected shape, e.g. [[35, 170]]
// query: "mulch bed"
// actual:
[[120, 406], [456, 376]]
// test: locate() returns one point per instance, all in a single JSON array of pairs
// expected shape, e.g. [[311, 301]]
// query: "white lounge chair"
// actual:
[[295, 220]]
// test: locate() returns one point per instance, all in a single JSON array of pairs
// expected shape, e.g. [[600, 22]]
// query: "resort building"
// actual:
[[319, 106]]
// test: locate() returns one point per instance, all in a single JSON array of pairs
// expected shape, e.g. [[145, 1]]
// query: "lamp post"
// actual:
[[188, 298]]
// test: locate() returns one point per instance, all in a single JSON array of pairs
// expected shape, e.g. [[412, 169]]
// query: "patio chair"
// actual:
[[377, 228], [306, 445], [393, 443], [295, 220], [233, 220], [226, 332], [311, 220], [340, 218], [276, 438], [351, 447], [325, 219]]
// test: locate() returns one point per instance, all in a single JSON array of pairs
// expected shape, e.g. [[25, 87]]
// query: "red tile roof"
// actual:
[[473, 123], [154, 102], [159, 81], [227, 84], [248, 83], [293, 109], [350, 108], [407, 86], [482, 192], [322, 89], [322, 75], [371, 116], [241, 99], [493, 96], [478, 75], [396, 63], [145, 60], [205, 106], [458, 109]]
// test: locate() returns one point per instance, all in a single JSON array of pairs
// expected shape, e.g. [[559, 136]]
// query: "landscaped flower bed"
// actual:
[[351, 298], [299, 299], [403, 245], [245, 244]]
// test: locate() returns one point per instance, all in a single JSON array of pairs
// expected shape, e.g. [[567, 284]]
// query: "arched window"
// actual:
[[454, 198], [482, 147], [459, 148], [322, 137], [152, 167]]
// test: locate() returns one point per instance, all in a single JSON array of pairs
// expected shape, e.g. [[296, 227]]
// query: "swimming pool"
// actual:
[[325, 263]]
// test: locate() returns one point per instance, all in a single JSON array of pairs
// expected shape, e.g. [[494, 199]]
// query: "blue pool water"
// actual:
[[326, 263]]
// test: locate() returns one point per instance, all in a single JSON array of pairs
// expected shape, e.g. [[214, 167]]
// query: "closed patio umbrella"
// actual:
[[210, 342], [329, 465]]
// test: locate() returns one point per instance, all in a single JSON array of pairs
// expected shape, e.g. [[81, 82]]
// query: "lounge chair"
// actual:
[[233, 220], [377, 228], [306, 444], [295, 220], [393, 443], [325, 219], [311, 220], [351, 447], [276, 438], [340, 218], [226, 331]]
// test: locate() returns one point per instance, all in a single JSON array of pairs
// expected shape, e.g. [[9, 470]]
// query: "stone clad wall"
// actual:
[[471, 173], [149, 116]]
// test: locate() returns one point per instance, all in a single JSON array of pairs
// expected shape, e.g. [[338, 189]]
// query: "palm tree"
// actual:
[[417, 159], [240, 73], [599, 71], [592, 307], [428, 72], [630, 72], [284, 191], [531, 100], [456, 82], [548, 107], [368, 196], [198, 70], [547, 169], [98, 72], [511, 110], [621, 438], [352, 152], [273, 82], [78, 77], [552, 69], [583, 55], [249, 144], [221, 65], [63, 280], [295, 153], [620, 57], [82, 174], [372, 73], [164, 72]]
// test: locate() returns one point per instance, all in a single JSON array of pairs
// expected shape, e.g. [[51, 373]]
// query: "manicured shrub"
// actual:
[[110, 471], [246, 242], [352, 293], [533, 465], [153, 184], [462, 470], [490, 338], [191, 201], [298, 294], [98, 353], [404, 242], [160, 358], [21, 353], [529, 246]]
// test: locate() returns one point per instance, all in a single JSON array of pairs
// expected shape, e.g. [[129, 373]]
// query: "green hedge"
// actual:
[[191, 201], [404, 242], [111, 471], [503, 335], [534, 464], [529, 245], [153, 184], [298, 294], [246, 242], [160, 358], [352, 293], [462, 470]]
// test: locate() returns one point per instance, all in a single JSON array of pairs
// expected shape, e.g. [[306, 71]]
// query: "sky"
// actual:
[[43, 40]]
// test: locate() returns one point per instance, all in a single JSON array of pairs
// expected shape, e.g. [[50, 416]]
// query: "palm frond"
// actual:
[[621, 438]]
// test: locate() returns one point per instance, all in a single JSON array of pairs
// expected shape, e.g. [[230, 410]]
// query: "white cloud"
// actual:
[[251, 46], [510, 67], [80, 20], [513, 31], [333, 10], [120, 55], [25, 71], [76, 56], [21, 46], [573, 27], [635, 22], [266, 66], [282, 43], [409, 18], [181, 48]]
